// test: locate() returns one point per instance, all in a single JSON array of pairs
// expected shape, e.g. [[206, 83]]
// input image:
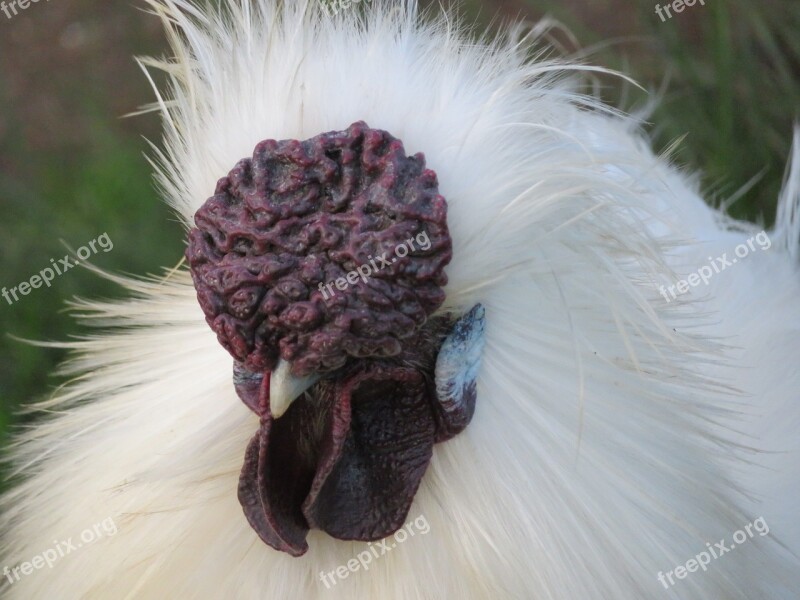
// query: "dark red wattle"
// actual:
[[375, 450], [348, 456]]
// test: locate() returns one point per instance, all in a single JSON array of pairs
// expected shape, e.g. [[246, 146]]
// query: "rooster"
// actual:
[[432, 288]]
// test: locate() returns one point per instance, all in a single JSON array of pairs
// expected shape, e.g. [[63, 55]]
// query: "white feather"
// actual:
[[615, 433]]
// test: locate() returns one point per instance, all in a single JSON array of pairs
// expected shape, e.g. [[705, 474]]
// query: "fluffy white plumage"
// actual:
[[615, 433]]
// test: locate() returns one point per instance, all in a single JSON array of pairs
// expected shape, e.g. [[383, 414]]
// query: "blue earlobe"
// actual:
[[457, 371]]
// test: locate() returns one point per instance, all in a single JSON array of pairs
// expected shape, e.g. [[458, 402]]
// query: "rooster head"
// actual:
[[320, 264]]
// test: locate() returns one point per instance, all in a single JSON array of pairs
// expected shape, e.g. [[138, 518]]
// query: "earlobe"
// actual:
[[456, 374]]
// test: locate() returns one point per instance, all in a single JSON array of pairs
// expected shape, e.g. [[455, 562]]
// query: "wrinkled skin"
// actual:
[[348, 457], [299, 215]]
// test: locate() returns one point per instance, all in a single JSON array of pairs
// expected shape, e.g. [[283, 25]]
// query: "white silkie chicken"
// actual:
[[635, 433]]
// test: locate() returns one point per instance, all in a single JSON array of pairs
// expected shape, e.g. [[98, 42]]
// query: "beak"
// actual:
[[285, 388]]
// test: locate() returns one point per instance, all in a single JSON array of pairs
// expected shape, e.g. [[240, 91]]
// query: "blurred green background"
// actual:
[[71, 169]]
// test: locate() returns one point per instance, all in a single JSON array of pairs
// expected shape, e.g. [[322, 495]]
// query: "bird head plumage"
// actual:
[[571, 401]]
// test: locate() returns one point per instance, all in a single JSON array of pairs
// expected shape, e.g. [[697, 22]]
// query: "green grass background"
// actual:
[[72, 169]]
